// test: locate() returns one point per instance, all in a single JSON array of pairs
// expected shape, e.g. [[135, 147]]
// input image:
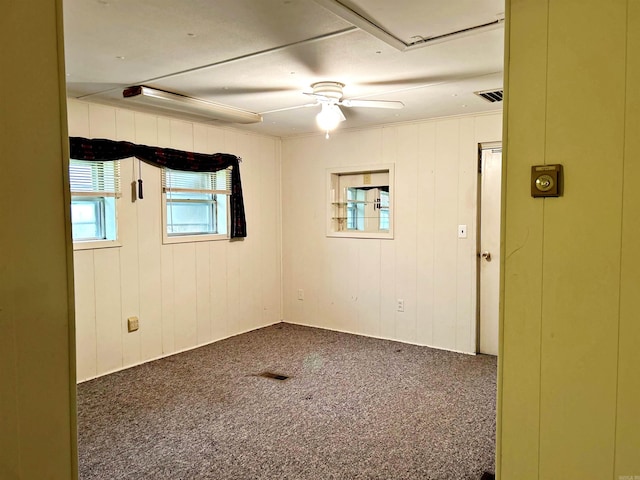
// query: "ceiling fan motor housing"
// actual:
[[330, 90]]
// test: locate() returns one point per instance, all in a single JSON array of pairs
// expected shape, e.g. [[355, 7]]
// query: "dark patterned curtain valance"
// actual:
[[103, 149]]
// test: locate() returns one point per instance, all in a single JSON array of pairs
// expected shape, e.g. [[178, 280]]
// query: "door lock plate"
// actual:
[[546, 181]]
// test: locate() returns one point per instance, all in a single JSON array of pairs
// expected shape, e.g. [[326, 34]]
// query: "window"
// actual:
[[360, 202], [356, 202], [95, 188], [195, 204], [383, 207], [367, 209]]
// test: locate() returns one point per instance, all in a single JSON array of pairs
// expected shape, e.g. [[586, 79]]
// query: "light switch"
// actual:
[[462, 231]]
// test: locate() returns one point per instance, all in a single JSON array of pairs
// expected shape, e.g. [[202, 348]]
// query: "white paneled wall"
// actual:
[[185, 294], [352, 284], [191, 294]]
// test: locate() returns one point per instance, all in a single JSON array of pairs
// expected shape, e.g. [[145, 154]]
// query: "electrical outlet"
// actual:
[[132, 324], [400, 305], [300, 294]]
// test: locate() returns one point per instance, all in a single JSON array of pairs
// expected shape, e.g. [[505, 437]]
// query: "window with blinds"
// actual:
[[196, 203], [95, 188]]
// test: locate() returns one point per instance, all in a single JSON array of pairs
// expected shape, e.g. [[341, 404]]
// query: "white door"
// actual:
[[489, 248]]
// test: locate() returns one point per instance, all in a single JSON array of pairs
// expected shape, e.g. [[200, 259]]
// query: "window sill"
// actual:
[[95, 245], [167, 240], [360, 234]]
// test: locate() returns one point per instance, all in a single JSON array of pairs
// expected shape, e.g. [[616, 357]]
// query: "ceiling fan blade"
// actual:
[[409, 82], [219, 92], [342, 117], [290, 108], [373, 103], [226, 90], [312, 94]]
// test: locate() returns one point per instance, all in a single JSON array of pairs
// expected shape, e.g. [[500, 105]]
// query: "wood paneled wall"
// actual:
[[186, 294], [37, 367], [569, 387], [352, 284]]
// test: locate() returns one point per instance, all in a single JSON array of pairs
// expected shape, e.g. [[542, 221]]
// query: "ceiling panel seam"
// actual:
[[227, 61], [370, 26]]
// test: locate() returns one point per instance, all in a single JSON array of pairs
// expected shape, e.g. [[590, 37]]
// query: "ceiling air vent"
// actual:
[[491, 95]]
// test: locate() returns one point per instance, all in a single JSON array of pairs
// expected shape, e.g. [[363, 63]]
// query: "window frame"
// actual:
[[196, 237], [339, 180]]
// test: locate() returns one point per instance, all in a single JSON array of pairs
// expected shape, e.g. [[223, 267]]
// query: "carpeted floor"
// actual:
[[353, 408]]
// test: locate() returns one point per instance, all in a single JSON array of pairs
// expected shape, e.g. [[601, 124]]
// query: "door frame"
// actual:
[[485, 146]]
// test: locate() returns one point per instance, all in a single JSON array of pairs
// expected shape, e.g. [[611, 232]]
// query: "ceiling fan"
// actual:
[[331, 92], [329, 96]]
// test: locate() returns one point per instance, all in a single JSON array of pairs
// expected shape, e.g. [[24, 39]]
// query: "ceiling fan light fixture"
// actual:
[[192, 106], [329, 117]]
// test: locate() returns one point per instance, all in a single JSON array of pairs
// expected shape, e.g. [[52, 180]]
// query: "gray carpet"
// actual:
[[353, 408]]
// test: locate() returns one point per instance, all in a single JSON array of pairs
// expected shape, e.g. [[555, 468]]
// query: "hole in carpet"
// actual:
[[274, 376]]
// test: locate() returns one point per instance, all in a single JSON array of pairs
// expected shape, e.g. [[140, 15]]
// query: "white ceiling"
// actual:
[[260, 55]]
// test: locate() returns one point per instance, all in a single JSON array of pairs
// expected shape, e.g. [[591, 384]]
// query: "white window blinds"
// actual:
[[205, 182], [94, 178]]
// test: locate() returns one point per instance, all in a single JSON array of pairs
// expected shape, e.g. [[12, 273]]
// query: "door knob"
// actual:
[[486, 256]]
